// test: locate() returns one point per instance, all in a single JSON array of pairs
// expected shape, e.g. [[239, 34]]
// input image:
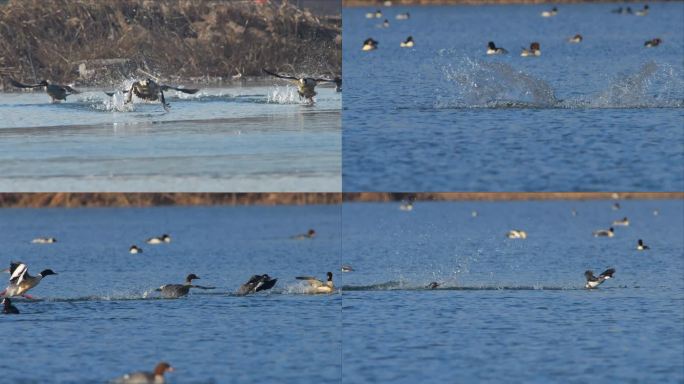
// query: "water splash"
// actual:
[[284, 95]]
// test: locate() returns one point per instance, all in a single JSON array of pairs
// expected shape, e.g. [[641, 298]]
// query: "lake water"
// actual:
[[255, 137], [512, 310], [100, 317], [604, 114]]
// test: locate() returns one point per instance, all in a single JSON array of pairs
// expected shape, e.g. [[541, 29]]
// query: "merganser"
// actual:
[[134, 249], [641, 246], [576, 39], [604, 232], [257, 283], [44, 240], [310, 234], [20, 280], [378, 14], [535, 50], [494, 50], [653, 43], [156, 377], [369, 45], [172, 291], [403, 16], [642, 12], [624, 222], [593, 281], [551, 13], [159, 240], [408, 43], [149, 90], [305, 85], [8, 308], [406, 206], [516, 234], [616, 206], [385, 24], [347, 268], [317, 286], [56, 92], [433, 285]]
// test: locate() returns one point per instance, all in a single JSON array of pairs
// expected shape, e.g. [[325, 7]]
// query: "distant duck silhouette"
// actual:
[[593, 281], [642, 12], [534, 51], [374, 15], [624, 222], [653, 43], [576, 39], [8, 308], [44, 240], [134, 249], [369, 45], [641, 246], [163, 239], [347, 268], [256, 284], [433, 285], [406, 206], [516, 234], [553, 12], [310, 234], [56, 92], [616, 206], [492, 49], [156, 377], [408, 43], [173, 291], [604, 232], [318, 286], [403, 16], [385, 24]]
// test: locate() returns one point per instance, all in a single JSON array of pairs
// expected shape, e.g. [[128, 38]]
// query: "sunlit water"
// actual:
[[250, 138], [100, 317], [512, 310], [604, 114]]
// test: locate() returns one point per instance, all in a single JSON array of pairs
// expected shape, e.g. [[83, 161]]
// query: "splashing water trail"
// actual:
[[286, 95]]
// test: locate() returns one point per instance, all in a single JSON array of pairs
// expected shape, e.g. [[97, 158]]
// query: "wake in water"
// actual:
[[403, 286]]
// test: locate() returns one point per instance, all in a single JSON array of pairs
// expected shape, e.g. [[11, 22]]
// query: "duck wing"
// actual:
[[314, 282], [608, 273], [17, 272], [279, 75], [69, 89], [202, 287], [190, 91], [21, 85], [265, 284]]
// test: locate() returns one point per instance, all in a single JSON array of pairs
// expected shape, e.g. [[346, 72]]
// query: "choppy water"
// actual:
[[100, 318], [604, 114], [512, 310], [252, 138]]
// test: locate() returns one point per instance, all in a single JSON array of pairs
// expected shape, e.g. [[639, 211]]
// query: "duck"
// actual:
[[474, 214], [593, 281], [155, 377], [616, 206], [305, 85], [642, 12], [624, 222], [433, 285], [378, 14], [576, 39], [134, 249], [516, 234], [347, 268], [173, 291], [149, 90], [653, 43], [619, 10], [338, 83], [610, 232], [159, 240], [408, 43], [317, 286], [535, 50], [257, 283], [385, 24], [56, 92], [20, 280], [406, 206], [551, 13], [403, 16], [44, 240], [641, 246], [492, 49], [310, 234], [8, 308], [369, 45]]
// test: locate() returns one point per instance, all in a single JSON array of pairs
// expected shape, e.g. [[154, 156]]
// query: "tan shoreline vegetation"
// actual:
[[78, 200], [102, 42], [380, 3]]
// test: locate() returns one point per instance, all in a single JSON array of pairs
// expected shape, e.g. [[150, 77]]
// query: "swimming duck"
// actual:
[[641, 246], [576, 39], [604, 232], [338, 83], [616, 206], [593, 281], [494, 50], [406, 206], [310, 234], [516, 234], [156, 377], [642, 12], [535, 50], [551, 13], [149, 90], [20, 280], [408, 43], [347, 268], [55, 91], [369, 45], [403, 16], [385, 24], [159, 240], [8, 308], [305, 85], [653, 43], [317, 286], [44, 240], [257, 283], [624, 222], [378, 14], [173, 291], [433, 285], [134, 249]]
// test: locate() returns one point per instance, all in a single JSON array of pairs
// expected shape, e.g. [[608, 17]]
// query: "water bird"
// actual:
[[305, 85], [641, 246], [385, 24], [369, 45], [408, 43], [134, 249], [403, 16], [149, 90], [593, 281], [622, 11], [44, 240], [257, 283], [604, 232], [553, 12], [656, 212], [8, 308], [576, 39], [574, 212], [317, 286], [374, 15], [159, 240], [406, 206], [492, 49], [338, 83], [624, 222], [653, 43], [642, 12], [474, 214], [433, 285], [55, 91], [156, 377], [173, 291], [516, 234], [347, 268], [616, 206], [21, 282], [310, 234], [535, 50]]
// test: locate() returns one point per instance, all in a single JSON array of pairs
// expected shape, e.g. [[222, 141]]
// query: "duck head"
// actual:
[[161, 368], [48, 272], [191, 277], [535, 46], [329, 276], [491, 45]]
